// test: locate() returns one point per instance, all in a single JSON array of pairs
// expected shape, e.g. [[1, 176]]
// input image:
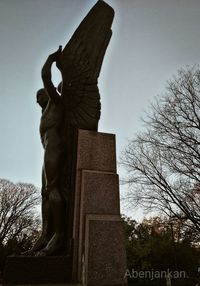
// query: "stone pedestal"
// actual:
[[98, 242], [98, 249], [23, 270]]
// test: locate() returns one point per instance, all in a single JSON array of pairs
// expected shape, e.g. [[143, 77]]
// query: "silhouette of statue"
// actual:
[[75, 106]]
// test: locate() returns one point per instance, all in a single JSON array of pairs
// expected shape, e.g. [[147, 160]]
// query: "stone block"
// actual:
[[96, 151], [99, 195], [96, 186], [105, 257], [21, 270]]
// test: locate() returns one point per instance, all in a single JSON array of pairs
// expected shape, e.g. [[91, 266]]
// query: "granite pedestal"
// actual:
[[98, 248], [23, 270], [99, 256]]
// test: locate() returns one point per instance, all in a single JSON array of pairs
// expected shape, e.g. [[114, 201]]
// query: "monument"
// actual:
[[82, 233]]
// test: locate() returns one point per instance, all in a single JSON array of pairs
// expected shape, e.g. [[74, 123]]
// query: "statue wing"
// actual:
[[81, 62]]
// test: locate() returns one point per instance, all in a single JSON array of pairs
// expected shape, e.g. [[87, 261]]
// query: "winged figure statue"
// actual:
[[74, 105]]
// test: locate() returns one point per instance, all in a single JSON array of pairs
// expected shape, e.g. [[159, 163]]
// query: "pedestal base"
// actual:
[[36, 270], [99, 256]]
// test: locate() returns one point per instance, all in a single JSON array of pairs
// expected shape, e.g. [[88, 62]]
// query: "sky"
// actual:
[[151, 40]]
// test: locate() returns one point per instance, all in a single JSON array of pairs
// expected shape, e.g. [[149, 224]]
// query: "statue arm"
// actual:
[[46, 76]]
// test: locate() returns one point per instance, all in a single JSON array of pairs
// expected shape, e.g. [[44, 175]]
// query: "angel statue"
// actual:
[[73, 105]]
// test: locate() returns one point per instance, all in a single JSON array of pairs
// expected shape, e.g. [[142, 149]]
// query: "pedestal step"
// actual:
[[37, 270]]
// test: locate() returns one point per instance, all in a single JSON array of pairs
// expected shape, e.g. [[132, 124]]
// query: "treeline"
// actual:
[[19, 220], [160, 245]]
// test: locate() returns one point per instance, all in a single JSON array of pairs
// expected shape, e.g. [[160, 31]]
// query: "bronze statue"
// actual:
[[74, 105], [51, 131]]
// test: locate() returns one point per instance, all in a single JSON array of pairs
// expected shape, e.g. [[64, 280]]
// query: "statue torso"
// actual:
[[51, 121]]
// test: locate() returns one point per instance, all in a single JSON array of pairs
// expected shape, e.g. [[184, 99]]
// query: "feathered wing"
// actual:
[[81, 62]]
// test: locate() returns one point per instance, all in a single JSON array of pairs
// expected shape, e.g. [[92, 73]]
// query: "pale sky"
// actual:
[[151, 40]]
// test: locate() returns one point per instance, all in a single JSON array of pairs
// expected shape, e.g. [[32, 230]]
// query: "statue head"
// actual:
[[42, 97]]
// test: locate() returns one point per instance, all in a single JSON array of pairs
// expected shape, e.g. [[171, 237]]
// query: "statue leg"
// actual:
[[47, 230], [56, 203]]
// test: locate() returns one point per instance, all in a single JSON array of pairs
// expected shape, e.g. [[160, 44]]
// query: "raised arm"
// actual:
[[46, 75]]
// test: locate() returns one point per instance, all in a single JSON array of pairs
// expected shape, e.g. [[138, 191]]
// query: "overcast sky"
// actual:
[[151, 40]]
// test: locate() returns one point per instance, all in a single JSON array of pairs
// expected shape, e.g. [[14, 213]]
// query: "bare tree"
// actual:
[[17, 210], [163, 162]]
